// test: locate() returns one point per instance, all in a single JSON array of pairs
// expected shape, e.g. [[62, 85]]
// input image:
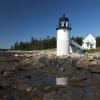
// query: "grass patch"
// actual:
[[93, 50]]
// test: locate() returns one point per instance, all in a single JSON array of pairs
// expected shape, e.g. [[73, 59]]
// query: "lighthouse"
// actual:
[[63, 36]]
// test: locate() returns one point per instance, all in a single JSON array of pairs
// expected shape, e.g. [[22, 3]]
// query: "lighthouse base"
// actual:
[[63, 47]]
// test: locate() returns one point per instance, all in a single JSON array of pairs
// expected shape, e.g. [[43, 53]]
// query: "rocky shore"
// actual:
[[34, 75]]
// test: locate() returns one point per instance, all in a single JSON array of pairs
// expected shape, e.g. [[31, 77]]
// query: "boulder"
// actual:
[[95, 69]]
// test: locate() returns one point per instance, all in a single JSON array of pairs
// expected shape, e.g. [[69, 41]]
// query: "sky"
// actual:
[[22, 19]]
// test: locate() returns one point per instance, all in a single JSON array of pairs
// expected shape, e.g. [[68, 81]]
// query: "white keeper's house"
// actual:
[[89, 42]]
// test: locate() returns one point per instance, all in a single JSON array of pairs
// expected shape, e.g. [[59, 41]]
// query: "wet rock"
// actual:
[[95, 69], [78, 78], [52, 96], [47, 62], [67, 93], [86, 63]]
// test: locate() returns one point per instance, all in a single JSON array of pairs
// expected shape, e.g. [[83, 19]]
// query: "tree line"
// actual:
[[36, 44], [46, 43]]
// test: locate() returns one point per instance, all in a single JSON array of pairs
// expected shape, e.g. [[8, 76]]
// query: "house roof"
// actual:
[[90, 38]]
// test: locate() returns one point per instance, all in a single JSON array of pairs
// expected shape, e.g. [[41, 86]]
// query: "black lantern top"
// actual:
[[63, 23]]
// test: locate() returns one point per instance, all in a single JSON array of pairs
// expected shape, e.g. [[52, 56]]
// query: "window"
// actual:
[[87, 44], [91, 46]]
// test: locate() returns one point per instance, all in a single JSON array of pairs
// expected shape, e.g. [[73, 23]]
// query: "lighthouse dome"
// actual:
[[63, 18]]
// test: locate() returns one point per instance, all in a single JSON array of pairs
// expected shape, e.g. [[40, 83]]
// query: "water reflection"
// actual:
[[49, 80]]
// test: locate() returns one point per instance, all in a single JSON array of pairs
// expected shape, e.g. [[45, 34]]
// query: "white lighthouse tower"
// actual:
[[63, 36]]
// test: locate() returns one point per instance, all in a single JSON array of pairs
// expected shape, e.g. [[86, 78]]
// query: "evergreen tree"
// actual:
[[98, 41], [78, 40]]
